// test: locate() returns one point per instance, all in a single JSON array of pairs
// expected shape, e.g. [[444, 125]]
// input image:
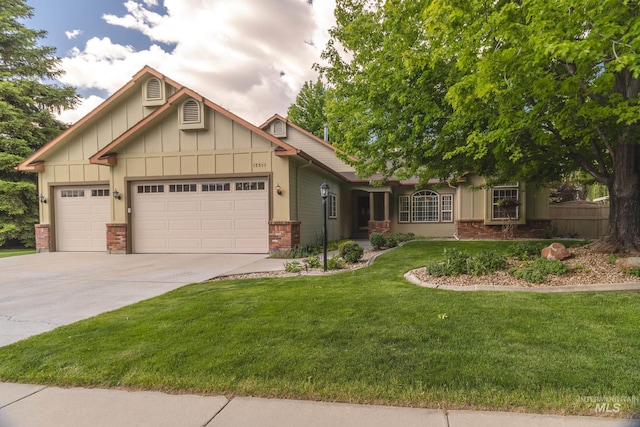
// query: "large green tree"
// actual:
[[308, 109], [28, 101], [511, 89]]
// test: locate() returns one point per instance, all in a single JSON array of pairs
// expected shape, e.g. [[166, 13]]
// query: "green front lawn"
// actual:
[[365, 336], [4, 253]]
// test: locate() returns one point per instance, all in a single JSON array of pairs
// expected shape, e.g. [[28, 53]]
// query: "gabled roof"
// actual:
[[34, 161], [108, 154]]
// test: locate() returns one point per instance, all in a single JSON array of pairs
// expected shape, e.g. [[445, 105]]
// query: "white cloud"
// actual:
[[231, 52], [85, 107], [72, 34]]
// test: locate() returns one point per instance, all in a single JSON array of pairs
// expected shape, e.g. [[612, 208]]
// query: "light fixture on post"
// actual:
[[324, 192], [42, 199], [117, 195], [278, 189]]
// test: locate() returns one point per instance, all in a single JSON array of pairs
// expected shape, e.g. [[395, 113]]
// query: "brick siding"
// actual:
[[283, 235], [43, 238], [477, 229], [117, 238]]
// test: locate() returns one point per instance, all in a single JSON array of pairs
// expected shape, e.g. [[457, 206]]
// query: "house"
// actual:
[[157, 168]]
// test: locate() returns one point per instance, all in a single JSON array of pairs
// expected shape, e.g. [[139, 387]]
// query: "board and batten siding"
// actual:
[[310, 208]]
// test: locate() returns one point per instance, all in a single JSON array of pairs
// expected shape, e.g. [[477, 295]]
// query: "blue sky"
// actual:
[[250, 56]]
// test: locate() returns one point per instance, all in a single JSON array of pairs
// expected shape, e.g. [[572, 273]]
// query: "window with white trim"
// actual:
[[447, 207], [145, 189], [182, 188], [333, 206], [250, 185], [425, 206], [501, 193], [216, 186]]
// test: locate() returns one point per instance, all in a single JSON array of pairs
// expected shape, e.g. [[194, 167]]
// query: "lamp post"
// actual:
[[324, 192]]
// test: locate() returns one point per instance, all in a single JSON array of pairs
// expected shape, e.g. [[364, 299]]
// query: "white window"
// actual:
[[425, 206], [333, 206], [143, 189], [250, 186], [216, 186], [504, 193], [72, 193], [182, 188], [404, 210], [447, 207]]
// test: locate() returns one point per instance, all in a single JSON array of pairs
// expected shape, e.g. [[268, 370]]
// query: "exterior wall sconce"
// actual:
[[42, 199], [117, 195], [278, 189]]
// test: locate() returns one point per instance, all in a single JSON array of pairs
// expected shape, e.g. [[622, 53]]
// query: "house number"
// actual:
[[259, 165]]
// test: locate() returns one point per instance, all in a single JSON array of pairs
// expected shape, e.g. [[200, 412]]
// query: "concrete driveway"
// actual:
[[40, 292]]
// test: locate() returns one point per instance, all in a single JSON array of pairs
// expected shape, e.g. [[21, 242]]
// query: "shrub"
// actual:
[[335, 263], [314, 262], [350, 251], [537, 270], [457, 262], [293, 267], [525, 251], [391, 241], [378, 240]]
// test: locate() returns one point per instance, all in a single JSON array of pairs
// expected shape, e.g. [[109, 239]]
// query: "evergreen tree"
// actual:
[[308, 110], [27, 105]]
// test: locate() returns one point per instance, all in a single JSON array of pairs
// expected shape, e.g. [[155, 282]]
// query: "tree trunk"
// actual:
[[623, 231]]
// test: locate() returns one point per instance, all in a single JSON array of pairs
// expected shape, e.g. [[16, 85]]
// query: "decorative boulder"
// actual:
[[556, 251], [628, 263]]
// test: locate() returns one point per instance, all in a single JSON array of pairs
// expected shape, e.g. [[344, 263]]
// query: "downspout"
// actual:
[[455, 233]]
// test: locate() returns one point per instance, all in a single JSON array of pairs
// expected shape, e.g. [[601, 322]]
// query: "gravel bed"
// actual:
[[586, 267]]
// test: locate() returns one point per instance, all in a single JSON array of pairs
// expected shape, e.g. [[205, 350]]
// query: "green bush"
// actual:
[[335, 263], [525, 251], [391, 241], [314, 262], [378, 240], [350, 251], [293, 267], [457, 262], [538, 270]]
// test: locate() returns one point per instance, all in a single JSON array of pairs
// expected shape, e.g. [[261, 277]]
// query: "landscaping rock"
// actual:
[[556, 251], [628, 263]]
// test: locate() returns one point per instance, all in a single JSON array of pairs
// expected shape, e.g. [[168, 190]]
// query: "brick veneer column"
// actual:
[[43, 238], [117, 238], [283, 235], [383, 227]]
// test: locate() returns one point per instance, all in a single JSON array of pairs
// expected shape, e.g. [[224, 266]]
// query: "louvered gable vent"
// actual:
[[153, 93], [192, 115]]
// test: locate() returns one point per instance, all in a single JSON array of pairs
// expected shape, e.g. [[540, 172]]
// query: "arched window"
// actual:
[[153, 93], [191, 112], [425, 206]]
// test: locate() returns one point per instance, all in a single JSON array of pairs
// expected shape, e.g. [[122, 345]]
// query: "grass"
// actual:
[[365, 336], [5, 253]]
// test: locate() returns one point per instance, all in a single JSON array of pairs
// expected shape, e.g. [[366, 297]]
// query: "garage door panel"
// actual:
[[81, 218], [216, 224], [214, 221]]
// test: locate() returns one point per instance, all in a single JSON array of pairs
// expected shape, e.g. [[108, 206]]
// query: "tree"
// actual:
[[308, 110], [517, 90], [26, 116]]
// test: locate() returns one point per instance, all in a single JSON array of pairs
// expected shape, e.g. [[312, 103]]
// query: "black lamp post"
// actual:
[[324, 192]]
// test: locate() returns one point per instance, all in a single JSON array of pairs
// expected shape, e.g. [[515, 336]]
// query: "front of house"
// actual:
[[157, 168]]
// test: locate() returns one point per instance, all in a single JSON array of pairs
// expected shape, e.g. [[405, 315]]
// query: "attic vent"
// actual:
[[190, 112], [153, 93], [192, 115], [153, 89], [279, 128]]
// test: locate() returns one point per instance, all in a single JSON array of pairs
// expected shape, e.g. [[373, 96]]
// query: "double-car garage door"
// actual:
[[199, 216], [214, 216]]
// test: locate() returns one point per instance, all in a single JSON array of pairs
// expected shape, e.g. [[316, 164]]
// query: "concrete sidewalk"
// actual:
[[23, 405]]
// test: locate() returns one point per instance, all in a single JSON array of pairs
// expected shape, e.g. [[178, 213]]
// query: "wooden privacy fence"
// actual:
[[581, 219]]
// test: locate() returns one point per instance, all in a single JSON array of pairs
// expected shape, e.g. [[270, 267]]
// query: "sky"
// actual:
[[248, 56]]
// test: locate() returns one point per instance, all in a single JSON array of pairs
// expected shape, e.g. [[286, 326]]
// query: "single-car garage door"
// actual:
[[81, 216], [213, 216]]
